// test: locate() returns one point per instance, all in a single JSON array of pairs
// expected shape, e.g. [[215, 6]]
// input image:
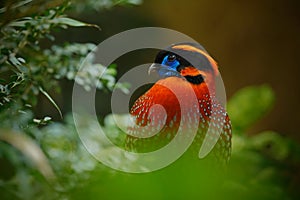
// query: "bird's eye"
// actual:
[[170, 61], [171, 58]]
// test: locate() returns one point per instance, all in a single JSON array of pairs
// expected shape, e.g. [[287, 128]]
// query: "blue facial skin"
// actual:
[[170, 69], [173, 64]]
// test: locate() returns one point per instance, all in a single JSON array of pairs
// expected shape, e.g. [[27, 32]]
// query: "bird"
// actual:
[[183, 66]]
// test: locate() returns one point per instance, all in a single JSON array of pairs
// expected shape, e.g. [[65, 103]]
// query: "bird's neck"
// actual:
[[161, 93], [162, 90]]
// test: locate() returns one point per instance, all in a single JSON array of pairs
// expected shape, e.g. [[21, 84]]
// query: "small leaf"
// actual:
[[38, 121], [51, 100], [72, 22], [50, 37], [14, 61], [47, 118], [18, 24], [42, 121], [22, 60], [16, 5], [124, 87]]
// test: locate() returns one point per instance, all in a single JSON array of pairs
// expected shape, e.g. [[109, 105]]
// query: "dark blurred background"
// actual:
[[254, 41]]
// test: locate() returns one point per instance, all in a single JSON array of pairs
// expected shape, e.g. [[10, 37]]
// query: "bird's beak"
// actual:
[[154, 68], [162, 71]]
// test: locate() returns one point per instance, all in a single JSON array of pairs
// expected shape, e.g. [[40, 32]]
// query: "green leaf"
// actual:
[[30, 149], [272, 143], [14, 60], [72, 22], [248, 105], [43, 121], [51, 100], [16, 5], [18, 24]]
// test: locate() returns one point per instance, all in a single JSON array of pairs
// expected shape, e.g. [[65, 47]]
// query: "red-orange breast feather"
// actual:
[[163, 96]]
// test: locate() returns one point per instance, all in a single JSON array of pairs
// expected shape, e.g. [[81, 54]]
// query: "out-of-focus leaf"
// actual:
[[51, 100], [14, 61], [16, 5], [29, 148], [43, 121], [20, 23], [271, 143], [248, 105], [72, 22], [32, 70], [98, 5]]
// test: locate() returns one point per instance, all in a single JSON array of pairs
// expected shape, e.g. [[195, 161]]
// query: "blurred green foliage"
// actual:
[[262, 163], [43, 159], [27, 71], [248, 105]]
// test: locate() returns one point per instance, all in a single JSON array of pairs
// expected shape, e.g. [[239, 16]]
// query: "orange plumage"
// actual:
[[184, 67]]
